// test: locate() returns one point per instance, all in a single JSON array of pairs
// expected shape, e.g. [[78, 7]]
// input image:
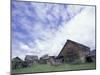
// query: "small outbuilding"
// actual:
[[91, 57], [31, 59], [17, 63], [44, 59]]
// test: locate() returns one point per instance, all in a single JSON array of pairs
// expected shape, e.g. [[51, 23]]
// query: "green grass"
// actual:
[[49, 68]]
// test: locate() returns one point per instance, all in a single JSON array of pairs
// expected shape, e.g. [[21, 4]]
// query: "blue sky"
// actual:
[[43, 28]]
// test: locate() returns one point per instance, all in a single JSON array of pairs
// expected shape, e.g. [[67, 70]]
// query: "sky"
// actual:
[[44, 28]]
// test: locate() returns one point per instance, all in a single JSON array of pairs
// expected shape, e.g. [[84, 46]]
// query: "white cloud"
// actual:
[[46, 40], [80, 29]]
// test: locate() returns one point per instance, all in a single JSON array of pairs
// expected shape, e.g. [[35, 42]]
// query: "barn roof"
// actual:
[[17, 59], [31, 57], [76, 43], [93, 53], [45, 57]]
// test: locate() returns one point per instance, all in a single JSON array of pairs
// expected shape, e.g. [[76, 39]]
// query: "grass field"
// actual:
[[49, 68]]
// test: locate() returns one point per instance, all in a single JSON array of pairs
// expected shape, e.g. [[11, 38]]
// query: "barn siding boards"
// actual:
[[17, 63], [74, 52], [31, 59]]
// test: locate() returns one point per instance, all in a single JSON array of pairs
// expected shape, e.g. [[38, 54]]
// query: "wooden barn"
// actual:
[[31, 59], [74, 52], [17, 63], [44, 59], [91, 57], [50, 60]]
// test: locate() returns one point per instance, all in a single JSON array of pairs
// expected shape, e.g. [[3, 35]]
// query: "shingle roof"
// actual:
[[80, 45], [31, 57]]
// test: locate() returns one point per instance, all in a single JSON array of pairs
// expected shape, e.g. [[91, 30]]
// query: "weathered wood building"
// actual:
[[91, 57], [45, 59], [74, 52], [17, 63], [31, 59]]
